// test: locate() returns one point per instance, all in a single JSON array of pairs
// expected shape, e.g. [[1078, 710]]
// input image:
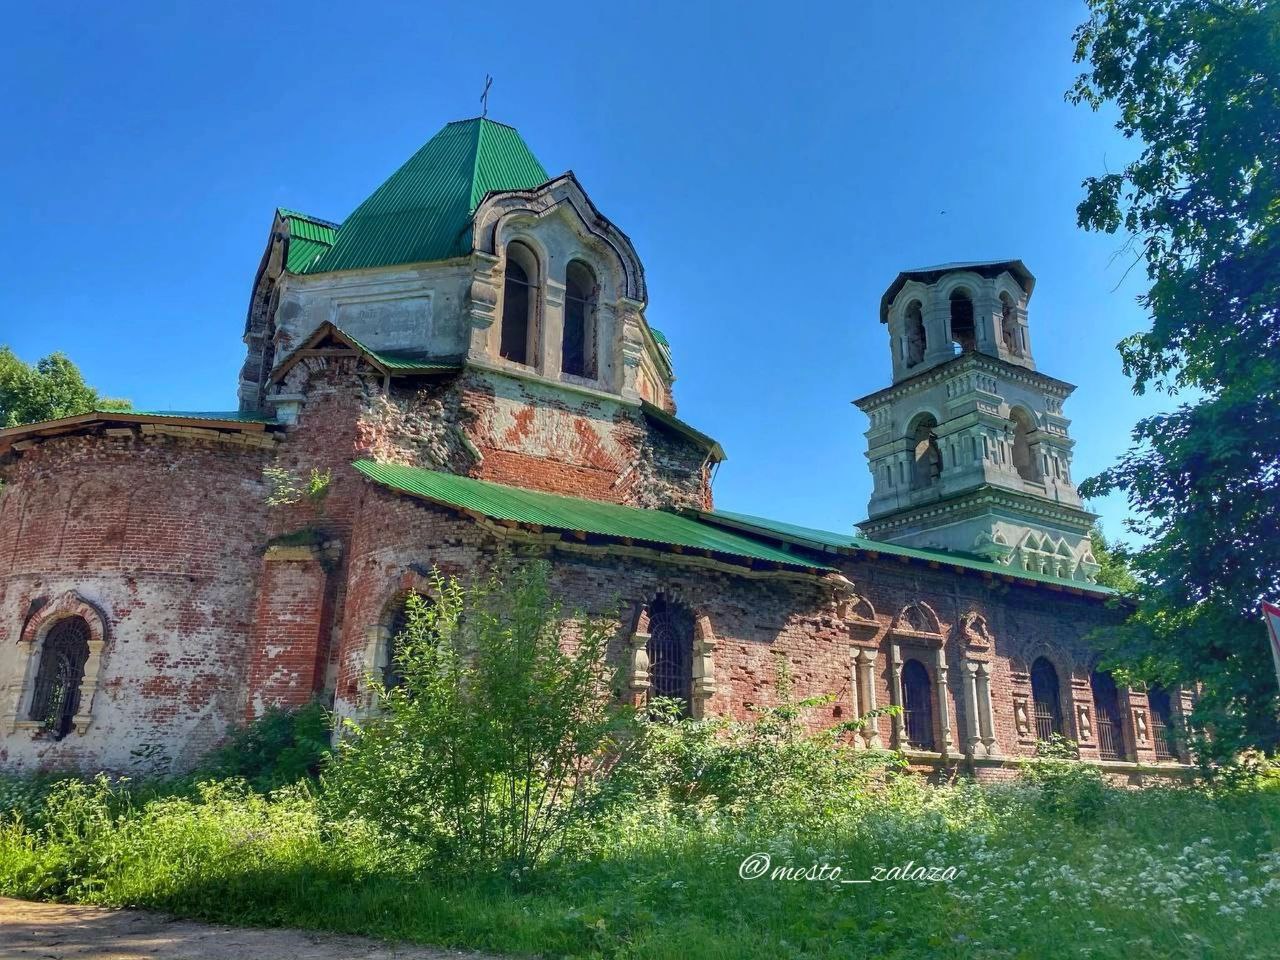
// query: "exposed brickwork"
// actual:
[[219, 606]]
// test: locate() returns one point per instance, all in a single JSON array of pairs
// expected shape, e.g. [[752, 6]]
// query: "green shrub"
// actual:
[[279, 748], [487, 753], [1067, 787]]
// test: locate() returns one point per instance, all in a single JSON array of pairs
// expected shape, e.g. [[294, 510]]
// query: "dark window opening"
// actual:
[[917, 706], [1046, 699], [1106, 706], [1162, 725], [670, 652], [393, 670], [917, 338], [578, 341], [962, 328], [1024, 461], [927, 466], [1009, 326], [56, 698], [518, 298]]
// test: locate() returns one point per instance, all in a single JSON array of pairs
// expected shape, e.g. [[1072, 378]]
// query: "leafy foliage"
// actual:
[[281, 747], [51, 389], [1195, 83], [489, 750], [1067, 788]]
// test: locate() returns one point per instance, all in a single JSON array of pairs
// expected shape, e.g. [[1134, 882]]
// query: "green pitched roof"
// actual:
[[827, 541], [423, 210], [309, 238], [501, 502]]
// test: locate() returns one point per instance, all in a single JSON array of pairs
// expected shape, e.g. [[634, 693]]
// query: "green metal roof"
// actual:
[[827, 541], [423, 210], [501, 502], [309, 238], [241, 416]]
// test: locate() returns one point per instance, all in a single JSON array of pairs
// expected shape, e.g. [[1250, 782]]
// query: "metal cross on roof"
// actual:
[[484, 96]]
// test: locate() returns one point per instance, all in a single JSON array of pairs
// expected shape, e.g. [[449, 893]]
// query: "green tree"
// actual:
[[52, 388], [490, 750], [1115, 570], [1196, 83]]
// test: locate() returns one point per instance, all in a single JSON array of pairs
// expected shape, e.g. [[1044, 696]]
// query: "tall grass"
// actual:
[[1163, 872]]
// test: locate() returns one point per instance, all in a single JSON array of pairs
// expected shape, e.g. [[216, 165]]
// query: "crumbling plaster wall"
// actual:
[[160, 534]]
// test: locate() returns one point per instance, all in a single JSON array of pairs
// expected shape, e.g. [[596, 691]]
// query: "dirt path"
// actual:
[[55, 931]]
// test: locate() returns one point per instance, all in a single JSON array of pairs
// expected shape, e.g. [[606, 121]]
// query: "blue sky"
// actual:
[[776, 166]]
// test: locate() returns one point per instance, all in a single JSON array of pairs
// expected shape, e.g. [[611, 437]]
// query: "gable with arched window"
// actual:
[[520, 291], [1046, 697], [578, 338]]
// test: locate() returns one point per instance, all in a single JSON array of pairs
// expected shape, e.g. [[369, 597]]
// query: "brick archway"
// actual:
[[31, 643]]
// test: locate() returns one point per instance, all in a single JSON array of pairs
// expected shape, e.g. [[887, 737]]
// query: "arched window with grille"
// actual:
[[392, 672], [519, 304], [63, 656], [670, 652], [1162, 725], [1106, 708], [917, 706], [577, 349], [1046, 699]]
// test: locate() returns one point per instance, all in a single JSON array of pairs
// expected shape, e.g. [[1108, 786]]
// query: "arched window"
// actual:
[[1009, 325], [927, 457], [56, 698], [670, 652], [917, 706], [577, 349], [917, 339], [397, 635], [1045, 698], [519, 304], [962, 329], [1162, 727], [1023, 459], [1106, 707]]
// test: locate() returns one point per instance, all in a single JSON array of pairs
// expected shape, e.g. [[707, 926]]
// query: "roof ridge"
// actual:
[[473, 200]]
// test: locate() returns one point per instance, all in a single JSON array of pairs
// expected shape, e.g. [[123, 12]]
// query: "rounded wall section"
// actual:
[[163, 536]]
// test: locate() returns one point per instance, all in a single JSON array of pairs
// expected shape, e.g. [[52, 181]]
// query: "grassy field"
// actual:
[[1165, 873]]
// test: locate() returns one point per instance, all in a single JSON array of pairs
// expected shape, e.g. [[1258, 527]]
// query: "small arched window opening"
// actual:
[[962, 328], [578, 344], [399, 633], [1009, 325], [917, 339], [927, 465], [1162, 726], [56, 698], [1106, 706], [1046, 699], [670, 652], [519, 304], [917, 706], [1024, 461]]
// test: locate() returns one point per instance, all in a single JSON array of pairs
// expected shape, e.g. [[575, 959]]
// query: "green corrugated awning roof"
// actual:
[[500, 502], [423, 211], [239, 416], [309, 239], [828, 541]]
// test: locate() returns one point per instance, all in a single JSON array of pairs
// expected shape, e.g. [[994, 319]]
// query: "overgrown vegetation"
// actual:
[[501, 799], [1194, 83], [288, 488]]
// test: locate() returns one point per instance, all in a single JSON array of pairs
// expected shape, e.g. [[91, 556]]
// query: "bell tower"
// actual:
[[968, 449]]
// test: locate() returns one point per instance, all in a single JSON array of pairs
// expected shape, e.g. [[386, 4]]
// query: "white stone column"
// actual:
[[972, 724], [986, 717], [866, 667], [895, 689], [944, 715]]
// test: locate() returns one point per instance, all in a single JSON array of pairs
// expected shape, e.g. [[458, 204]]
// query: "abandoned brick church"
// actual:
[[468, 357]]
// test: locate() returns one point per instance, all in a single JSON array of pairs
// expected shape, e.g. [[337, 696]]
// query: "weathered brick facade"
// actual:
[[197, 605]]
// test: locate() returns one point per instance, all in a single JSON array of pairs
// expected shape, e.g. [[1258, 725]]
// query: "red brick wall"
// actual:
[[160, 534]]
